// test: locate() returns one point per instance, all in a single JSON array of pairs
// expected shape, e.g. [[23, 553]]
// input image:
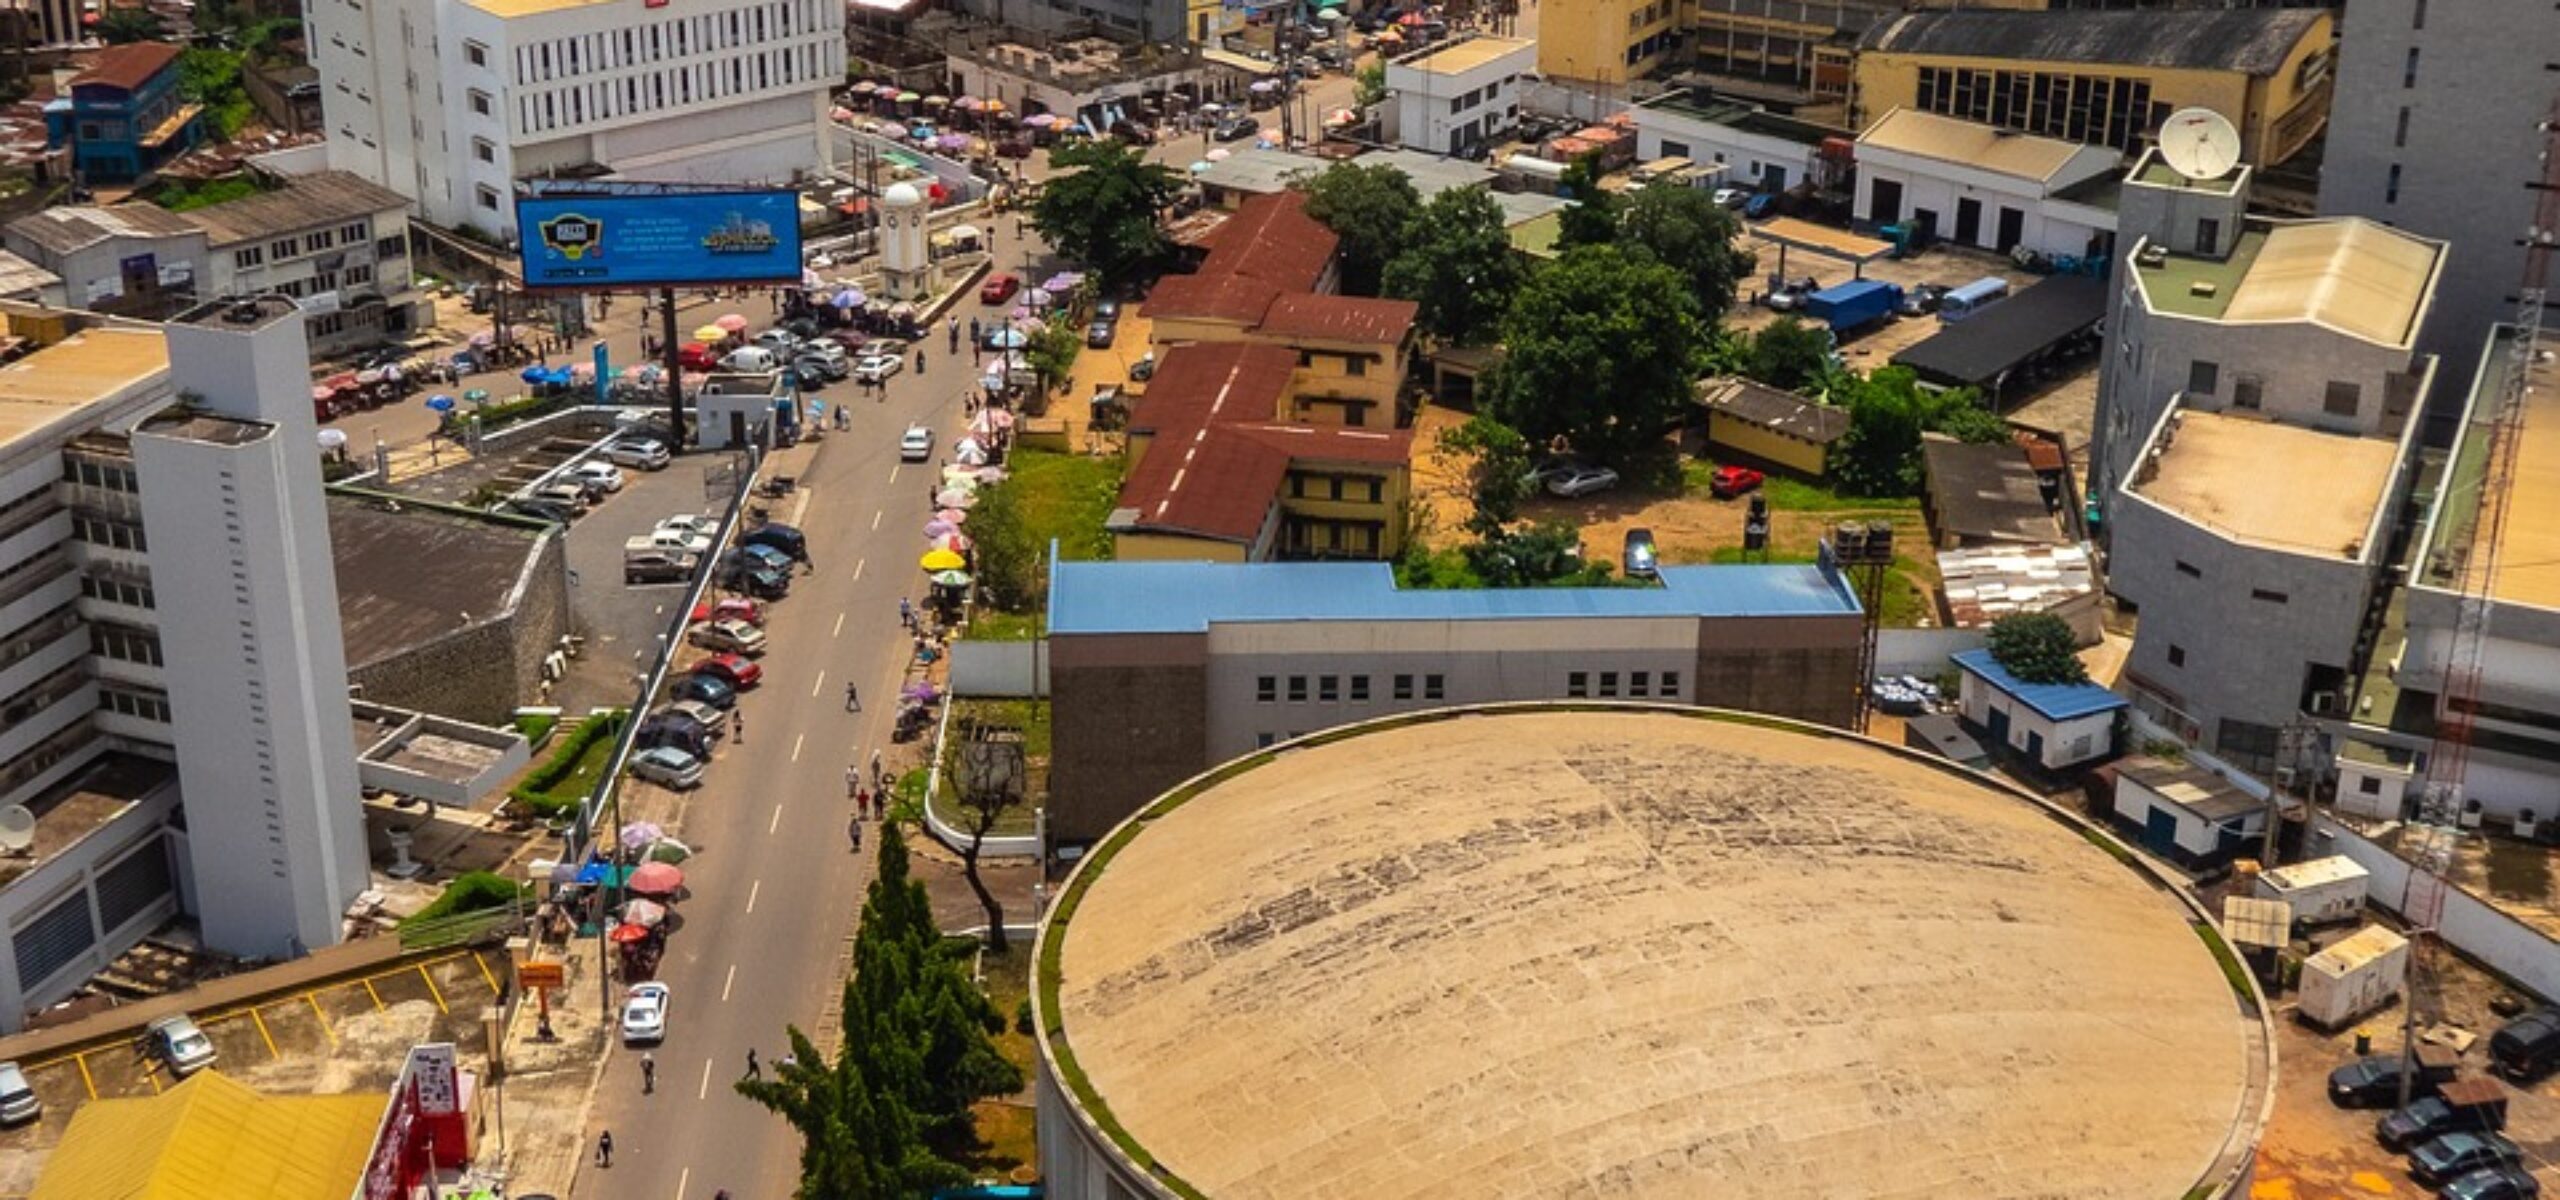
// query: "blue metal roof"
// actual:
[[1187, 597], [2056, 701]]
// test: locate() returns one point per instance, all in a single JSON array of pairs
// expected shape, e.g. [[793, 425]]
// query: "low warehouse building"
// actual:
[[466, 639], [1587, 950]]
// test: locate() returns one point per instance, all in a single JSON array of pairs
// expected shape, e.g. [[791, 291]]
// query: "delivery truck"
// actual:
[[1851, 306]]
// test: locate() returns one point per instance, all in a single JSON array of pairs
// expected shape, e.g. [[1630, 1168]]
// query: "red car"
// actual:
[[735, 608], [730, 669], [697, 356], [1730, 482], [998, 289]]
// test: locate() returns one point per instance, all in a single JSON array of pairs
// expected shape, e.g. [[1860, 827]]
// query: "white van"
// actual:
[[749, 358], [1972, 298]]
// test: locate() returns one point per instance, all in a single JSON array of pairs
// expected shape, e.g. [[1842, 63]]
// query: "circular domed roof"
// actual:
[[902, 195], [1560, 952]]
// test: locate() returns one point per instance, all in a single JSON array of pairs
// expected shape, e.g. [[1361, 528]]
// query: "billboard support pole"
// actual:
[[674, 362]]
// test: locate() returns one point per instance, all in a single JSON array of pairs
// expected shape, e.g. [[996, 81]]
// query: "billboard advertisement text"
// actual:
[[691, 239]]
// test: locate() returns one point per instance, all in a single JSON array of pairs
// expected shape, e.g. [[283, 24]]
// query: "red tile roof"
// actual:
[[1271, 238], [1340, 318], [1210, 297], [128, 66], [1198, 477]]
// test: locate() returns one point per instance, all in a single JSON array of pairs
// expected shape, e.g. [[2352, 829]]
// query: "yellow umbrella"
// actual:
[[942, 560], [710, 333]]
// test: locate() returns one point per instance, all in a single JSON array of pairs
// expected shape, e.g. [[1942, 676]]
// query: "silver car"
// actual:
[[666, 766], [177, 1042], [18, 1103]]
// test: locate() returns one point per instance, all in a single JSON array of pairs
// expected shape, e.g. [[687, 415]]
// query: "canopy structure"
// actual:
[[1985, 350]]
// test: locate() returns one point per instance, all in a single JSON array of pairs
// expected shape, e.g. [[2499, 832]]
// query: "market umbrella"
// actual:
[[839, 114], [995, 106], [483, 338], [936, 101], [962, 476], [1040, 120], [440, 403], [920, 690], [956, 542], [732, 322], [669, 850], [582, 370], [476, 396], [323, 393], [1039, 298], [710, 333], [936, 530], [657, 879], [1221, 154], [956, 498], [950, 579], [941, 560], [849, 298], [991, 474], [970, 453], [535, 374], [333, 439], [1201, 167], [969, 104], [952, 516], [640, 833], [990, 420], [627, 933], [644, 912], [369, 378], [563, 874]]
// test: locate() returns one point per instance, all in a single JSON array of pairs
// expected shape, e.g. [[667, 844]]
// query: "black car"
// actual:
[[1106, 309], [1640, 561], [775, 535], [1922, 299], [754, 579], [705, 689], [2457, 1154], [2528, 1047], [2492, 1183], [543, 510], [2434, 1116], [2374, 1081], [1099, 335], [1236, 129], [660, 567], [668, 728]]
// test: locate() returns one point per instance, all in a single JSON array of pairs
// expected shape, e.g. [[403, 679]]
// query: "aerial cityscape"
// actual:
[[1342, 599]]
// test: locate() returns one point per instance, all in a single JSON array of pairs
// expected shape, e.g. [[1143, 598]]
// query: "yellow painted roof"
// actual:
[[212, 1138]]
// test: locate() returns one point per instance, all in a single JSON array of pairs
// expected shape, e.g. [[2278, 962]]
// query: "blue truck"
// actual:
[[1854, 305]]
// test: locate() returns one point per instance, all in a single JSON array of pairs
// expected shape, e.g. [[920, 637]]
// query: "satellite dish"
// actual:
[[17, 828], [2199, 143]]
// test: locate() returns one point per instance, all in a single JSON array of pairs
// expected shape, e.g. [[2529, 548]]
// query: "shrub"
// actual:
[[1022, 1017], [561, 783], [471, 892], [536, 727]]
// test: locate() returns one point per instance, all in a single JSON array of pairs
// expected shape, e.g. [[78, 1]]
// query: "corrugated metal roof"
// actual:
[[2054, 701], [2355, 950], [73, 228], [128, 66], [1970, 143], [2255, 41], [314, 201], [2314, 873], [1340, 318], [2249, 921], [2355, 276], [1767, 407], [212, 1136]]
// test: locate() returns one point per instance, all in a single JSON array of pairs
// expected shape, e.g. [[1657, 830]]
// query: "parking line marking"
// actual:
[[433, 990], [724, 993], [875, 519], [819, 682], [85, 1080], [795, 745], [152, 1076], [840, 616], [704, 1092], [494, 989], [776, 822], [752, 889], [377, 996], [269, 1038], [314, 1002]]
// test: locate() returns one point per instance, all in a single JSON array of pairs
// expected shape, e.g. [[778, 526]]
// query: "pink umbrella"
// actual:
[[951, 516], [956, 498], [656, 879], [733, 323], [321, 393], [955, 542], [938, 529]]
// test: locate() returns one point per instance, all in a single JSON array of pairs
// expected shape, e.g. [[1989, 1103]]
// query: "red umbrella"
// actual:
[[656, 879], [624, 935]]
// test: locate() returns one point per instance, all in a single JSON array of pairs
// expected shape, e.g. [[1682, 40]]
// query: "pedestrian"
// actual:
[[919, 362], [880, 773], [738, 728], [852, 697], [853, 781], [862, 803], [604, 1148], [855, 829], [648, 1074], [755, 1070], [976, 332], [906, 613]]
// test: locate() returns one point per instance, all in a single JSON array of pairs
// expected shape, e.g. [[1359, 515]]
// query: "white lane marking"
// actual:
[[893, 471], [752, 890], [704, 1092], [857, 573], [724, 999], [819, 682], [795, 746], [682, 1178], [801, 509], [857, 569], [875, 519], [775, 823]]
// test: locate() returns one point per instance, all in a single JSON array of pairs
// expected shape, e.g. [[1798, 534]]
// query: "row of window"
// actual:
[[324, 282], [1318, 485], [115, 475], [2338, 399], [660, 41], [2112, 111], [149, 706], [1483, 95], [1329, 689], [603, 100], [124, 643], [118, 591], [1640, 685], [106, 531], [354, 233]]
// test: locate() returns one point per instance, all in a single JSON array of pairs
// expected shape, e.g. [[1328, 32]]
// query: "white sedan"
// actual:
[[879, 367], [916, 445], [644, 1014], [1582, 481]]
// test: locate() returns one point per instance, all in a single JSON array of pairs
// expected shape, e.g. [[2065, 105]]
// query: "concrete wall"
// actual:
[[1013, 669], [1923, 652], [1590, 44], [1801, 667], [2471, 924], [1766, 445], [1129, 719], [1746, 156], [2064, 743], [1419, 101], [2483, 80], [72, 877]]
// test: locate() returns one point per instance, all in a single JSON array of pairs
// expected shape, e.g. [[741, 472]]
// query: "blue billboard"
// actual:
[[682, 239]]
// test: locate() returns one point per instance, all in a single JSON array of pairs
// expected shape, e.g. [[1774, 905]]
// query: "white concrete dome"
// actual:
[[902, 195]]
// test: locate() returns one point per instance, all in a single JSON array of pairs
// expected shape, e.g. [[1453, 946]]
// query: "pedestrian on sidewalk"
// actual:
[[738, 728], [853, 781], [906, 613], [862, 804], [648, 1074], [755, 1070], [856, 830], [880, 773], [852, 697], [604, 1149]]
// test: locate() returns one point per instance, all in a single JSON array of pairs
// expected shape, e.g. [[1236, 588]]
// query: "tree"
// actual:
[[1370, 85], [1687, 231], [992, 778], [1458, 264], [1959, 414], [1497, 471], [1601, 345], [1051, 352], [1788, 354], [1369, 208], [212, 78], [1888, 413], [1104, 215], [2037, 648], [1003, 552], [1592, 218], [1546, 553], [120, 24]]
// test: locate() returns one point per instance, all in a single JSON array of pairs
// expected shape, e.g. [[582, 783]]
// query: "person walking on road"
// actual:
[[853, 781], [906, 613], [852, 697], [648, 1074], [755, 1070], [880, 774], [919, 362], [855, 830], [604, 1148], [738, 728]]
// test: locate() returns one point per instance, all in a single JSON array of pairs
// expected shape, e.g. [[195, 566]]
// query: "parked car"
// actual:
[[782, 342], [784, 544], [1133, 133], [1921, 299], [690, 525], [2374, 1081], [1582, 481], [644, 1013], [916, 444], [566, 493], [732, 670], [2472, 1106], [704, 689], [1760, 206], [1730, 481], [18, 1103], [810, 373], [544, 510], [2455, 1154], [175, 1040], [2492, 1183], [697, 356], [1730, 197], [734, 608], [751, 359], [667, 767], [1144, 369], [1100, 334], [657, 566], [1106, 309], [714, 720], [880, 348], [2528, 1047], [745, 574], [1640, 561], [999, 288], [599, 473], [643, 453], [879, 367], [734, 637], [1791, 294], [681, 731], [1236, 129]]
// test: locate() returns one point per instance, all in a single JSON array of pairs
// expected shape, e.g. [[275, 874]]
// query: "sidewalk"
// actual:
[[534, 1131]]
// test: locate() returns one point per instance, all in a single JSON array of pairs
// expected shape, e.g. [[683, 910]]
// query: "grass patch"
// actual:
[[2233, 972], [1008, 987], [988, 625], [536, 728], [1007, 1139], [470, 892], [1787, 493], [1066, 497], [2114, 848], [569, 776], [1032, 718]]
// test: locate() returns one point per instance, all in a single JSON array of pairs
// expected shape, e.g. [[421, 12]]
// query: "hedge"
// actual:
[[536, 727], [554, 788], [472, 891]]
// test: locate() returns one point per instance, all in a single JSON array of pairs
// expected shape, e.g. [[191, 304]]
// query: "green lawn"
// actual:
[[1007, 1136], [1787, 493], [1066, 497], [988, 625]]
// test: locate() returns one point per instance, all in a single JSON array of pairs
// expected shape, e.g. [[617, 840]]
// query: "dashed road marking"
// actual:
[[704, 1092], [875, 519], [795, 745], [857, 573], [725, 984], [776, 822], [815, 684], [752, 890]]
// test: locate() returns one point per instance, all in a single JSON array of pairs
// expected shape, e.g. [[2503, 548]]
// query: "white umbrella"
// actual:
[[969, 453]]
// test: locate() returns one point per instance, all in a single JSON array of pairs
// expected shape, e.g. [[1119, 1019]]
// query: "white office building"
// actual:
[[1990, 188], [449, 102], [1459, 94]]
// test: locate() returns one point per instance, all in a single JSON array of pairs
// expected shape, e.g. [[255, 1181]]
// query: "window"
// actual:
[[2418, 15], [314, 243], [250, 257], [2270, 597], [1359, 689], [2391, 185], [149, 707], [1297, 689], [2189, 570], [2400, 132], [2369, 785], [1608, 683], [2409, 70], [1577, 683], [1329, 688], [1266, 689], [117, 591], [484, 150], [125, 644], [281, 249], [2203, 377], [359, 273], [480, 102], [475, 53], [1672, 149], [1355, 365], [1670, 686], [2208, 235], [2177, 656], [1431, 687], [486, 196], [1262, 741], [1639, 683], [2341, 398], [1404, 687], [2247, 391]]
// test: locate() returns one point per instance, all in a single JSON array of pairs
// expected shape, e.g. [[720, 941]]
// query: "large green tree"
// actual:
[[1602, 345], [1690, 233], [1497, 471], [1104, 214], [1888, 413], [1458, 264], [1592, 218], [1788, 354], [1004, 551], [2037, 648], [1369, 208]]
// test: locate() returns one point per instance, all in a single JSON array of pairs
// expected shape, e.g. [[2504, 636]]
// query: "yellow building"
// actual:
[[1752, 422], [2107, 78], [1796, 51], [1606, 42]]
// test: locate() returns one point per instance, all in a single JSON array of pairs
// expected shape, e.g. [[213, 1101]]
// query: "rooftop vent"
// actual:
[[2203, 288]]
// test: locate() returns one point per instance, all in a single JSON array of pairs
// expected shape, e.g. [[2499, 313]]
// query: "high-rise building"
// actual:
[[449, 102], [2433, 131]]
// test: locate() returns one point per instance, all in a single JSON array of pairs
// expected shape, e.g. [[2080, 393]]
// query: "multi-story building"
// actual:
[[2107, 78], [125, 115], [1161, 670], [168, 606], [1458, 94], [2433, 132], [1607, 44], [336, 244], [1794, 51], [450, 103], [2255, 441]]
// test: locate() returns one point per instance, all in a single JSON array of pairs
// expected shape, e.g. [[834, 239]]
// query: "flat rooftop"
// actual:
[[387, 605], [2352, 276], [85, 804], [2159, 174], [2528, 570], [1188, 597], [1465, 54], [2307, 491], [63, 378], [1727, 959]]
